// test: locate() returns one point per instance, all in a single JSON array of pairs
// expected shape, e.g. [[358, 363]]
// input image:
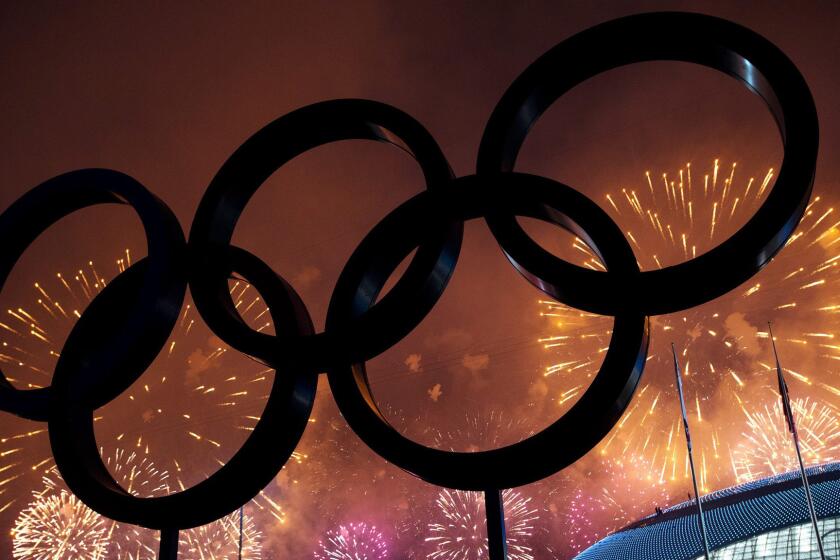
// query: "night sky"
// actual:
[[166, 94]]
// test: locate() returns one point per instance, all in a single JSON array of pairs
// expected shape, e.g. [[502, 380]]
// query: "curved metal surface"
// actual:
[[700, 39]]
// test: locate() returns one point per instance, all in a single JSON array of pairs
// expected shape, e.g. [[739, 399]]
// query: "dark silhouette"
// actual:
[[127, 324]]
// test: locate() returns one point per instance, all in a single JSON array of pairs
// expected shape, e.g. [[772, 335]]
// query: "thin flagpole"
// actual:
[[791, 423], [700, 515]]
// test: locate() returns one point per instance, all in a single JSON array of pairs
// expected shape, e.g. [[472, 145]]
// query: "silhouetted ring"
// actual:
[[163, 279], [701, 39], [243, 173], [251, 468], [588, 420]]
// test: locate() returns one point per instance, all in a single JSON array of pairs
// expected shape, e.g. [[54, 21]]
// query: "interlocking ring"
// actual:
[[154, 309], [705, 40], [251, 469], [107, 349], [573, 434], [261, 155]]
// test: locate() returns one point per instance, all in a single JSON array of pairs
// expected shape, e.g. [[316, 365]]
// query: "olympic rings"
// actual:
[[573, 434], [127, 324], [701, 39]]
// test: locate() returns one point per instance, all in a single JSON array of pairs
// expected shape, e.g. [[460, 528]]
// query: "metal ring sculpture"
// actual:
[[127, 324]]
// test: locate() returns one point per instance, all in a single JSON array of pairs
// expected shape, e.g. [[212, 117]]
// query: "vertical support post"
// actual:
[[241, 524], [496, 538], [168, 544]]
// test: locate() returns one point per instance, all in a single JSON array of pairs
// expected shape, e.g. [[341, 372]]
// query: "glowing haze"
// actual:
[[167, 96]]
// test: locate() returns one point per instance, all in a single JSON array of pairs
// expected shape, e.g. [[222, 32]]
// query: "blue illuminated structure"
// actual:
[[764, 519]]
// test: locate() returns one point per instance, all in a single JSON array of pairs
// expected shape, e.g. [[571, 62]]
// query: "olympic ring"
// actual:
[[469, 198], [701, 39], [157, 303], [127, 324], [251, 469], [242, 174]]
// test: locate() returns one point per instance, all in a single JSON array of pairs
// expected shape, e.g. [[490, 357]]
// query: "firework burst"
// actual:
[[481, 431], [767, 448], [220, 540], [140, 477], [724, 344], [623, 494], [462, 532], [354, 541], [30, 338], [58, 527], [192, 389]]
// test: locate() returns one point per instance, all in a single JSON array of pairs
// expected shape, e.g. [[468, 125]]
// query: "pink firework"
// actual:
[[354, 541], [626, 494]]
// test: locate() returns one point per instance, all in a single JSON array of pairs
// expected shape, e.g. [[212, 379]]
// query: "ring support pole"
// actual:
[[495, 512]]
